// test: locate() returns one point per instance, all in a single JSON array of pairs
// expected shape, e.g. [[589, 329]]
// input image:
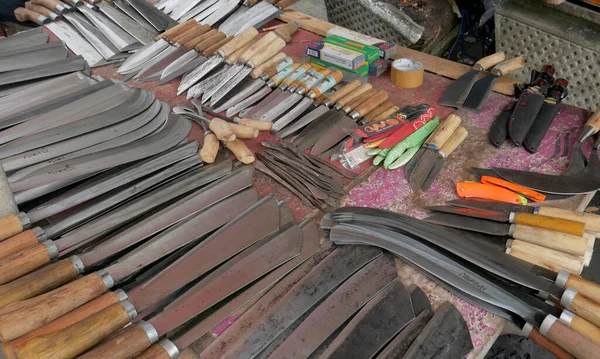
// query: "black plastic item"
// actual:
[[499, 129], [540, 127], [523, 116]]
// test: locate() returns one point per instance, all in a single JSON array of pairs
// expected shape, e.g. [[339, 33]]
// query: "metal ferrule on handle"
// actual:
[[148, 329], [63, 8], [53, 16], [106, 278], [121, 295], [52, 249], [131, 312], [39, 234], [562, 277], [80, 267], [567, 317], [568, 297], [587, 132], [170, 348], [25, 221], [547, 324]]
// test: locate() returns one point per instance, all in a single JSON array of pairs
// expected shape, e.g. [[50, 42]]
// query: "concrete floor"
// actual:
[[314, 8]]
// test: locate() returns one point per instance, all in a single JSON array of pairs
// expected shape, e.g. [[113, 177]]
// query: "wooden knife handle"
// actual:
[[266, 53], [242, 131], [27, 261], [581, 325], [18, 243], [491, 60], [386, 114], [592, 221], [286, 31], [509, 66], [176, 30], [269, 64], [74, 316], [10, 225], [370, 104], [196, 31], [241, 151], [233, 58], [211, 50], [210, 41], [38, 8], [354, 94], [238, 42], [345, 90], [22, 317], [296, 78], [454, 141], [257, 47], [221, 129], [569, 339], [594, 121], [77, 338], [583, 286], [443, 132], [258, 124], [544, 257], [125, 344], [194, 42], [548, 238], [22, 14], [555, 224], [286, 63], [39, 282], [210, 148], [378, 110], [359, 99], [550, 346], [585, 307], [156, 351]]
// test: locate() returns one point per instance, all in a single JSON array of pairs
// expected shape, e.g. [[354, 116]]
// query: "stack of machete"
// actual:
[[503, 285], [99, 33]]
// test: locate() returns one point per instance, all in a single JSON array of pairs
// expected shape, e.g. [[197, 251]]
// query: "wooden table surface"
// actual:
[[389, 190]]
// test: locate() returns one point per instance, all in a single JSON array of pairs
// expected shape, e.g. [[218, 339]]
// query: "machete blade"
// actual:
[[456, 93], [304, 121], [338, 307], [422, 169], [12, 43], [410, 166], [496, 216], [495, 206], [469, 223], [128, 24], [480, 93], [418, 300], [374, 325], [316, 285], [446, 336], [400, 344], [333, 135]]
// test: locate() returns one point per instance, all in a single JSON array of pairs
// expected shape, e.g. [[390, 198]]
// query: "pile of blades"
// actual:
[[66, 129], [316, 182], [227, 12], [101, 32], [473, 270]]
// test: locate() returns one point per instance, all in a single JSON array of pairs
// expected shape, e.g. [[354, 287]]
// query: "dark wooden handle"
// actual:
[[210, 148], [583, 286], [354, 94], [39, 282], [582, 306], [213, 39], [194, 42], [126, 344], [555, 224], [156, 351], [70, 318], [25, 262], [359, 99], [177, 29], [386, 114], [569, 339], [371, 103], [212, 49], [550, 346], [194, 32], [379, 110], [18, 243], [20, 318], [77, 338], [10, 226]]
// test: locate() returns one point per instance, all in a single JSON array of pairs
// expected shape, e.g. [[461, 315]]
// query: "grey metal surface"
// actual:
[[32, 56], [71, 64], [565, 36], [128, 24], [356, 16], [77, 43], [115, 34], [19, 42]]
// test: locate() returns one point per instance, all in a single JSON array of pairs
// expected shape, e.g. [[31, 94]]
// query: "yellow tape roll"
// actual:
[[407, 73]]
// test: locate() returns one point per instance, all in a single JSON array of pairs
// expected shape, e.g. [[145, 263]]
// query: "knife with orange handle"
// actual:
[[488, 191], [524, 191], [585, 287], [581, 325], [570, 340]]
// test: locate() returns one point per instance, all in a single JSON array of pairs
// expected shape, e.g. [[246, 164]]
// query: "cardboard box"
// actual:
[[371, 53], [361, 71], [337, 55], [387, 49]]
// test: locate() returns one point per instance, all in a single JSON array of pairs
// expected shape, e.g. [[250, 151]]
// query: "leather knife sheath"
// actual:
[[523, 116], [542, 123]]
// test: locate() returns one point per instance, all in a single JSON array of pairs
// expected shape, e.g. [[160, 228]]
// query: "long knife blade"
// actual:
[[178, 211], [333, 135], [182, 233], [160, 61], [143, 55], [176, 131], [247, 102], [71, 64], [337, 308], [198, 74], [179, 66], [249, 227], [12, 43], [32, 56], [231, 75], [139, 32], [305, 121], [219, 92], [492, 206], [93, 35], [156, 18], [132, 13], [398, 346], [326, 276], [389, 311], [77, 43], [281, 107], [115, 34], [293, 114]]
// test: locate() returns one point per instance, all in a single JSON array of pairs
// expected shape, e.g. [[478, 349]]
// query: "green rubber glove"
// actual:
[[381, 156], [405, 157], [416, 139]]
